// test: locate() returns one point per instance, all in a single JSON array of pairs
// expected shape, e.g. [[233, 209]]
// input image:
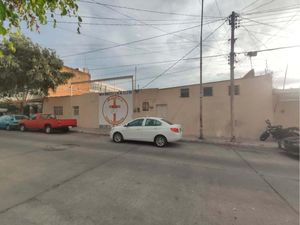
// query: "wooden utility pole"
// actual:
[[201, 87], [233, 23]]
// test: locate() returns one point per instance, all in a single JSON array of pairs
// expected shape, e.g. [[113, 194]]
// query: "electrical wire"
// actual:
[[252, 35], [98, 38], [247, 6], [262, 5], [170, 67], [189, 52], [292, 7], [129, 43], [123, 24], [138, 9]]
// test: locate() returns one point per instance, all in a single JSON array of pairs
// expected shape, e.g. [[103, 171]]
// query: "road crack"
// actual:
[[65, 181], [265, 180]]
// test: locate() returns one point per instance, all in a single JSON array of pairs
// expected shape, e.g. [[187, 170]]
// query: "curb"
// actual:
[[227, 143], [89, 132]]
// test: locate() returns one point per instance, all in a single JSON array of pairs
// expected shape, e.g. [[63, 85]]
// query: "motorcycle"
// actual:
[[279, 133]]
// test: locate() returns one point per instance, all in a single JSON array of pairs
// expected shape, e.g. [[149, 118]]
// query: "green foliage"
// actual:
[[11, 108], [34, 13], [29, 70]]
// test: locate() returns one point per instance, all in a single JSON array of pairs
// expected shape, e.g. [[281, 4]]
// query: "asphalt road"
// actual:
[[80, 179]]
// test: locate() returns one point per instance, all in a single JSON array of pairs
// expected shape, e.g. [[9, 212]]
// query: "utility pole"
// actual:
[[201, 87], [135, 72], [286, 70], [233, 23]]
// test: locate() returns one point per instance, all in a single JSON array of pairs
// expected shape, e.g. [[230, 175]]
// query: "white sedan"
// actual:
[[149, 129]]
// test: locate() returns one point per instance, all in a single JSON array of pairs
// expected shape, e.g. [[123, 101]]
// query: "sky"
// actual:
[[263, 24]]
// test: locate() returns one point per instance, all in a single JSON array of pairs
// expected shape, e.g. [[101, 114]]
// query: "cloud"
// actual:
[[256, 36]]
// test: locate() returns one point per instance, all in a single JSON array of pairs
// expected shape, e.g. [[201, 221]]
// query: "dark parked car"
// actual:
[[9, 122]]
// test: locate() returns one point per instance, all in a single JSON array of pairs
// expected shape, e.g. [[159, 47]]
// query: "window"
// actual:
[[236, 90], [20, 117], [184, 92], [58, 110], [75, 110], [32, 117], [44, 116], [207, 91], [145, 106], [151, 122], [136, 123]]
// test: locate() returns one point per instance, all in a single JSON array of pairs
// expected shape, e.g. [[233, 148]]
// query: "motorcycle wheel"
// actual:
[[264, 136]]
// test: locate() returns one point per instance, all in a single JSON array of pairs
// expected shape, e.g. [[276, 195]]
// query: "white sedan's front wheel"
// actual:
[[118, 138], [160, 141]]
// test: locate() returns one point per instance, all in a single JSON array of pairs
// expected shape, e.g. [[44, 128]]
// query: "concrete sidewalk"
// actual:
[[218, 141]]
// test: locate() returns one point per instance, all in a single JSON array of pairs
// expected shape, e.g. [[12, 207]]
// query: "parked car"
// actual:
[[47, 122], [148, 129], [10, 122]]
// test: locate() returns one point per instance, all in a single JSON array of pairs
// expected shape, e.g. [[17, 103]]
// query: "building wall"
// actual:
[[88, 108], [286, 108], [78, 89], [252, 106]]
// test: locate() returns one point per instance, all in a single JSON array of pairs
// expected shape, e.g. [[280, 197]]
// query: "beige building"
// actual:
[[286, 107], [255, 101]]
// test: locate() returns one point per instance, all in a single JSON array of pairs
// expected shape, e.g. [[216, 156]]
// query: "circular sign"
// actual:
[[115, 109]]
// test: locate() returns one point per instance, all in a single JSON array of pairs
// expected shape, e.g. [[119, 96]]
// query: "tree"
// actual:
[[29, 71], [34, 13]]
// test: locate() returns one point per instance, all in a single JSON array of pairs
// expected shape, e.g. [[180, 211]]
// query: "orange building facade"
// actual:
[[68, 89]]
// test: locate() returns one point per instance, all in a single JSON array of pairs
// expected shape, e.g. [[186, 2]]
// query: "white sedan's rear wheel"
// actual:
[[118, 138], [160, 141]]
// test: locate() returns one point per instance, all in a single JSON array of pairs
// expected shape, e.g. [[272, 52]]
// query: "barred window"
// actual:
[[236, 90], [75, 110], [145, 106], [58, 110], [207, 91], [184, 92]]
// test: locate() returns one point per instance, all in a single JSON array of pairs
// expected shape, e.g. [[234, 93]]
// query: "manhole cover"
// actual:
[[55, 148], [61, 147]]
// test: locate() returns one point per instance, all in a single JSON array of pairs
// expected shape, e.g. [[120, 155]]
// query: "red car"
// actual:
[[47, 122]]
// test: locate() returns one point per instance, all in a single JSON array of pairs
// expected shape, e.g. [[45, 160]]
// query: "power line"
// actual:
[[284, 27], [262, 5], [117, 18], [156, 62], [189, 52], [170, 67], [258, 22], [247, 6], [98, 38], [138, 9], [271, 16], [271, 49], [252, 35], [271, 23], [293, 7], [131, 42], [144, 23], [123, 24]]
